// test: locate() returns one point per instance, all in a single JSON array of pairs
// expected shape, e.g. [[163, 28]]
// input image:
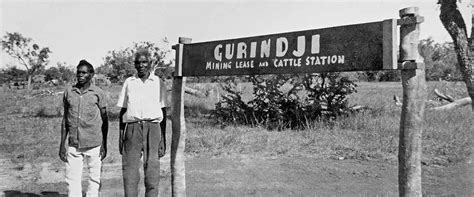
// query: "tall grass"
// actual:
[[370, 134], [31, 129]]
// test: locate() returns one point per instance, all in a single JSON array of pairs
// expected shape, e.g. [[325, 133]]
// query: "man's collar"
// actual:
[[92, 87], [151, 77]]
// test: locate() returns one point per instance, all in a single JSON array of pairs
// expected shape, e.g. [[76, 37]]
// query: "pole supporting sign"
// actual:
[[359, 47]]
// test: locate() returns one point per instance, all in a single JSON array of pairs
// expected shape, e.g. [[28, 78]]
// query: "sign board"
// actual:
[[358, 47]]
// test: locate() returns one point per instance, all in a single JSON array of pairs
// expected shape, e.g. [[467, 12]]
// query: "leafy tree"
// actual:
[[30, 55], [118, 64], [52, 73], [440, 60], [67, 73], [12, 73]]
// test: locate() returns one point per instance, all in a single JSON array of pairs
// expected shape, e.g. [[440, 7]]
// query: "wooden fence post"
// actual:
[[178, 137], [413, 109]]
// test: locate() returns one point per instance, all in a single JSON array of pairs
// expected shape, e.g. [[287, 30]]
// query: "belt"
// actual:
[[143, 121]]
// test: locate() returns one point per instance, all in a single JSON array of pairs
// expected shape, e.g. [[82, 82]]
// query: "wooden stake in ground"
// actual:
[[414, 96], [178, 137]]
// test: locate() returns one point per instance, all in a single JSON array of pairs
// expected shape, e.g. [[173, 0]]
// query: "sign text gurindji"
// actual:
[[345, 48]]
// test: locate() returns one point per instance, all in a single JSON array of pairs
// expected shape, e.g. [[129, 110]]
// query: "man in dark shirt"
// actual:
[[85, 122]]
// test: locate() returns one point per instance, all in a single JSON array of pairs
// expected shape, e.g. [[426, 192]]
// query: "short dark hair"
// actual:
[[142, 52], [87, 64]]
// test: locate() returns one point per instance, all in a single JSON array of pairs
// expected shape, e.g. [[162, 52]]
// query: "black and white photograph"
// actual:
[[236, 98]]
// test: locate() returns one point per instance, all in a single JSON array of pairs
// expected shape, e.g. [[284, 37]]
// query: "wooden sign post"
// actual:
[[413, 109], [359, 47], [178, 137]]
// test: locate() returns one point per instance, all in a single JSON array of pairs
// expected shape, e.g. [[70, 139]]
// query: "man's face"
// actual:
[[142, 65], [83, 75]]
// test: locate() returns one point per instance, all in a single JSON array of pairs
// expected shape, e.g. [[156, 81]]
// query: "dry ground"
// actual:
[[244, 175]]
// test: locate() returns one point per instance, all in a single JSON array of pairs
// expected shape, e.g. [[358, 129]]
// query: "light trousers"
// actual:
[[74, 164]]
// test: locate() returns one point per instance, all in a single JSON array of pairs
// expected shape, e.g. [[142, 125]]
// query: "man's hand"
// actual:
[[121, 141], [105, 131], [162, 150], [63, 153], [122, 129], [64, 132], [103, 152]]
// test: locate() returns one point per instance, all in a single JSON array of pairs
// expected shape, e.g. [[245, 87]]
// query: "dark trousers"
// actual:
[[141, 138]]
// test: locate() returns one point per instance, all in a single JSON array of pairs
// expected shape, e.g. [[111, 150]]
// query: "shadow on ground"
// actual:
[[247, 175], [12, 193]]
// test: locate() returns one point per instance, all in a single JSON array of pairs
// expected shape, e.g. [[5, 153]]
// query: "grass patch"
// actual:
[[31, 129]]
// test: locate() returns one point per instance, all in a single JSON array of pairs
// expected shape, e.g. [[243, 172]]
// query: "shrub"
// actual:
[[231, 108], [285, 101]]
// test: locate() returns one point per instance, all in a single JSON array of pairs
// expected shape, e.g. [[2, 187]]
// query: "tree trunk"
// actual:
[[454, 24], [28, 85]]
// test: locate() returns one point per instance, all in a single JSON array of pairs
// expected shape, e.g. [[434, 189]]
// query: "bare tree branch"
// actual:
[[22, 61], [194, 92], [453, 22], [453, 105], [444, 96]]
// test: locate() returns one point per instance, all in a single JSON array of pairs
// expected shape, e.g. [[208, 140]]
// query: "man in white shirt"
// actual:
[[141, 100]]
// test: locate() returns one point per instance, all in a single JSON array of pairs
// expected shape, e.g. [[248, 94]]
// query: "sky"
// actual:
[[87, 29]]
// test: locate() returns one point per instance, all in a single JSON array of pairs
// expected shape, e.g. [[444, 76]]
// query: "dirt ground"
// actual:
[[256, 176]]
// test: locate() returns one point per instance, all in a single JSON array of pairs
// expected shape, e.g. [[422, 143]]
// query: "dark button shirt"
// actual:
[[83, 120]]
